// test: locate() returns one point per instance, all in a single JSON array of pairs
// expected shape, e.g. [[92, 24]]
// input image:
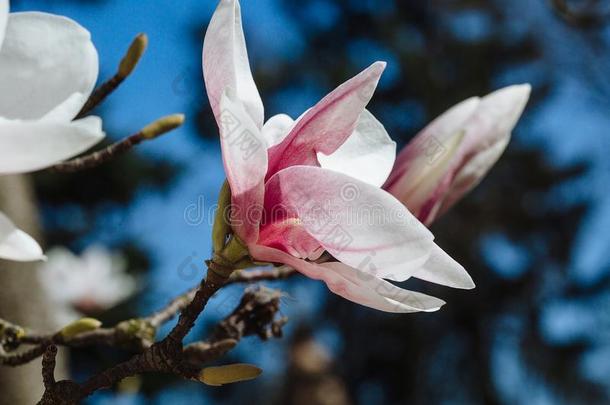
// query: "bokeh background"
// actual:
[[534, 235]]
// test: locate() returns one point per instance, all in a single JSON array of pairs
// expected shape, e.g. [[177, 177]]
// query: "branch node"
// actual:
[[136, 334]]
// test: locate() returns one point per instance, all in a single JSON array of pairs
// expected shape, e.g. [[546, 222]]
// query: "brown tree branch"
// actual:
[[255, 315], [48, 366], [134, 334], [14, 360]]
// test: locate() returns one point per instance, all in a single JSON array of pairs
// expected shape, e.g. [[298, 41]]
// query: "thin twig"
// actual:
[[99, 157], [127, 65], [157, 128]]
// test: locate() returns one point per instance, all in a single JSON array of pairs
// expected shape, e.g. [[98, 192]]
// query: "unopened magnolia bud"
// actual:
[[162, 125], [80, 326], [133, 55], [228, 374]]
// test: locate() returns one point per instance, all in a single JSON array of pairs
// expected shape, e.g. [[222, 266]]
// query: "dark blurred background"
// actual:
[[534, 235]]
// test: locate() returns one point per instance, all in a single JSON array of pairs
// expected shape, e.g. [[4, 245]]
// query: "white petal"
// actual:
[[358, 223], [355, 285], [276, 128], [66, 111], [27, 146], [44, 60], [225, 62], [16, 244], [3, 19], [443, 269], [368, 154], [380, 294]]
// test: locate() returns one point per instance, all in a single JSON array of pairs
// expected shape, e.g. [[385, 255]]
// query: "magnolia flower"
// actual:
[[48, 68], [301, 188], [89, 283], [451, 155]]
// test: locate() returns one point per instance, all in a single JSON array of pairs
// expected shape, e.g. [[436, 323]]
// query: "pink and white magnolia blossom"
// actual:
[[454, 152], [303, 187], [48, 68]]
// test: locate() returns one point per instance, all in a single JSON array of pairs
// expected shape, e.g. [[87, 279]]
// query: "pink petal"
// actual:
[[289, 235], [244, 153], [471, 174], [358, 223], [326, 126], [431, 173], [353, 284], [496, 116], [424, 161], [428, 143], [487, 134], [421, 195], [225, 62], [282, 229]]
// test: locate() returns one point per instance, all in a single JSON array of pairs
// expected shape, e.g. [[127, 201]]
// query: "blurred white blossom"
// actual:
[[86, 284]]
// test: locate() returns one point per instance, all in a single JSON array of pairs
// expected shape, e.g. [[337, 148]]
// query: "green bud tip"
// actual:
[[80, 326], [133, 55], [162, 125]]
